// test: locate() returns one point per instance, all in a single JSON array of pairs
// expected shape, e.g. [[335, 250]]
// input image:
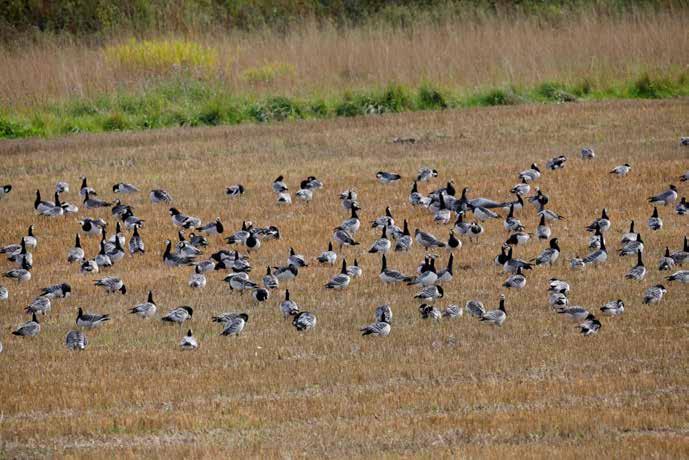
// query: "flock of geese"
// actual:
[[445, 204]]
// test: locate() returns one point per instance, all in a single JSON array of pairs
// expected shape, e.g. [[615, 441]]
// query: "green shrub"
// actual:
[[116, 122], [554, 92], [499, 97], [13, 129], [647, 88], [430, 98]]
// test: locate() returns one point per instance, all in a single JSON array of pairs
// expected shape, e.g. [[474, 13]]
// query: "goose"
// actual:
[[117, 253], [136, 243], [62, 187], [28, 329], [224, 317], [588, 153], [630, 235], [21, 275], [638, 272], [539, 199], [442, 215], [197, 280], [341, 280], [427, 240], [76, 254], [91, 226], [22, 256], [574, 313], [517, 238], [511, 223], [352, 224], [598, 256], [595, 240], [176, 260], [666, 262], [416, 198], [511, 264], [549, 214], [279, 185], [240, 236], [521, 188], [270, 281], [348, 200], [665, 198], [55, 211], [131, 221], [112, 284], [684, 141], [184, 247], [430, 293], [30, 239], [312, 183], [516, 281], [501, 258], [475, 308], [684, 177], [558, 299], [543, 230], [198, 241], [382, 245], [446, 274], [549, 255], [558, 285], [590, 326], [603, 223], [461, 227], [621, 170], [90, 321], [390, 276], [425, 174], [67, 208], [288, 307], [286, 273], [682, 208], [93, 203], [343, 237], [682, 276], [296, 259], [354, 271], [206, 266], [284, 198], [123, 187], [654, 294], [427, 277], [212, 228], [387, 177], [260, 295], [304, 321], [84, 189], [4, 293], [496, 317], [145, 310], [118, 209], [384, 221], [556, 163], [383, 313], [530, 174], [40, 304], [182, 220], [453, 311], [89, 266], [482, 213], [42, 206], [76, 340], [329, 256], [62, 291], [632, 247], [518, 204], [613, 308], [179, 315], [102, 259], [655, 222], [377, 329], [681, 256], [234, 191], [189, 342], [240, 282], [235, 325], [4, 190], [429, 312], [304, 194], [453, 243], [11, 249], [160, 196]]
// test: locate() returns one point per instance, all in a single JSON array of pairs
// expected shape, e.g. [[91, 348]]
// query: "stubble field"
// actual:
[[534, 387]]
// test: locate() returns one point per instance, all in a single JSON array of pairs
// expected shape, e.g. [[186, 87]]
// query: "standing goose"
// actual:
[[354, 271], [352, 224], [343, 237], [382, 245], [511, 265], [235, 325], [598, 256], [430, 293], [384, 221], [655, 222], [102, 259], [131, 221], [613, 308], [522, 188], [28, 329], [147, 309], [179, 315], [638, 272], [654, 294], [587, 153], [682, 208], [76, 340], [428, 276], [234, 191], [197, 280], [341, 280], [666, 262], [30, 239], [136, 243], [603, 223], [416, 198], [117, 253], [304, 321], [461, 227], [630, 235], [453, 243], [377, 329], [40, 304], [427, 240], [22, 274], [446, 274], [405, 241], [530, 174], [270, 281], [189, 342], [549, 255], [160, 196], [621, 170], [516, 281], [543, 230], [511, 223], [22, 256], [664, 198], [496, 317], [442, 215], [175, 260], [76, 254], [288, 307], [348, 199], [390, 276], [383, 313], [632, 247], [328, 257], [681, 256], [112, 284], [682, 276], [90, 321]]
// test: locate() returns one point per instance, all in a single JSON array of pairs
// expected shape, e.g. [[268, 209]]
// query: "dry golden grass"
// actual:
[[458, 54], [533, 388]]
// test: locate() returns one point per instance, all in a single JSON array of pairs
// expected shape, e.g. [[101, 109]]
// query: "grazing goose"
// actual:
[[453, 243], [549, 214], [288, 307], [28, 329], [590, 326], [682, 276], [630, 235], [92, 227], [556, 163], [93, 203], [39, 305], [574, 313], [76, 340], [475, 308], [665, 198], [89, 320], [613, 308], [511, 265], [304, 194], [621, 170], [160, 196], [123, 187], [517, 238], [655, 222], [270, 281], [136, 243], [603, 223], [22, 274], [577, 263], [382, 245], [176, 260], [343, 238], [681, 256], [530, 174], [483, 214], [213, 228], [496, 317], [328, 257], [4, 293], [89, 266], [429, 312], [76, 254], [286, 273], [549, 255], [304, 321], [387, 177], [666, 262], [189, 342], [383, 313], [112, 284], [118, 209], [425, 174], [682, 208], [260, 295], [588, 153], [377, 329], [445, 275], [197, 280], [354, 271], [598, 256], [522, 188], [57, 291], [279, 185], [516, 281], [234, 191], [558, 285], [284, 198], [632, 247], [638, 271], [427, 240], [453, 311], [341, 280], [352, 224], [240, 282], [430, 293], [147, 309], [654, 294], [558, 299], [235, 325], [179, 315]]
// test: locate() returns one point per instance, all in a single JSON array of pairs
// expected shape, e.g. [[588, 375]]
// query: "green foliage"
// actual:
[[506, 96], [430, 98], [11, 129], [268, 73], [646, 87], [555, 92]]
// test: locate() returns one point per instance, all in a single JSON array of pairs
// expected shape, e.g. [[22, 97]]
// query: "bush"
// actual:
[[276, 108], [555, 92], [116, 122], [647, 88], [430, 98], [499, 97]]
